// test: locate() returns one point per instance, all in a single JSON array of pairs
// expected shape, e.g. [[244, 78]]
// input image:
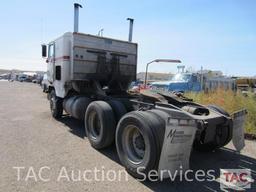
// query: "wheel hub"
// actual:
[[139, 142], [134, 144]]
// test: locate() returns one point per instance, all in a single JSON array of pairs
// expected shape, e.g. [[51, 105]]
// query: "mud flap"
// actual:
[[177, 146], [238, 129]]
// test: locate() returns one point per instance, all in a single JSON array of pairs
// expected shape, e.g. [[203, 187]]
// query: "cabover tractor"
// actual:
[[89, 77]]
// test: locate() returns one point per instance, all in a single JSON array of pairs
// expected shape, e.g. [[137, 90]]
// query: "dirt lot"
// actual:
[[29, 137]]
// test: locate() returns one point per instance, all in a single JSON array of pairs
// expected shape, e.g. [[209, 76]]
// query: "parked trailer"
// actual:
[[246, 84], [88, 78], [194, 82]]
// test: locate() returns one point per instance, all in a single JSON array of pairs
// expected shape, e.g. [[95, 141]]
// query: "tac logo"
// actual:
[[236, 179]]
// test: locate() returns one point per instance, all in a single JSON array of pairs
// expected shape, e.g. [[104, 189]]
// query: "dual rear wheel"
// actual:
[[138, 135], [100, 124], [100, 121], [139, 139]]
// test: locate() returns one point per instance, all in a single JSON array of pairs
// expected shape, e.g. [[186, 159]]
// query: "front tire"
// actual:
[[44, 88], [56, 105]]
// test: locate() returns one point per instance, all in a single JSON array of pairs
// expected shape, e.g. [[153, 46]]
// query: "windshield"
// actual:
[[181, 77]]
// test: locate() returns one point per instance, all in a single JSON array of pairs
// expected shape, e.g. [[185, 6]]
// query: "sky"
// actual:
[[214, 34]]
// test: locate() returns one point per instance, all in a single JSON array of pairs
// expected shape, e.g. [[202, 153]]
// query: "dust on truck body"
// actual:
[[89, 76]]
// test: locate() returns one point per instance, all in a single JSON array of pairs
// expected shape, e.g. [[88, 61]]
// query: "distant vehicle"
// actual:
[[38, 79], [191, 82], [22, 78], [45, 83], [4, 76], [246, 84], [181, 82]]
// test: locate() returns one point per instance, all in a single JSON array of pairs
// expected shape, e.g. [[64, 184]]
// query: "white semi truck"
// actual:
[[88, 79]]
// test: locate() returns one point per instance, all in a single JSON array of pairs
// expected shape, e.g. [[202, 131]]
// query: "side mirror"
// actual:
[[44, 51]]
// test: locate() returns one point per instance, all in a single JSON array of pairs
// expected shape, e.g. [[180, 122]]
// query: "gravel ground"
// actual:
[[31, 139]]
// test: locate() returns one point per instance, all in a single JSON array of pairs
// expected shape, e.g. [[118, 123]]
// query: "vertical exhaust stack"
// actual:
[[130, 29], [76, 16]]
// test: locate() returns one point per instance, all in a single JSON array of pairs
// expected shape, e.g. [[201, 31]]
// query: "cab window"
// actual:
[[51, 50]]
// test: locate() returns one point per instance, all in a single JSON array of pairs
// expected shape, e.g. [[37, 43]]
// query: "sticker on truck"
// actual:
[[177, 145]]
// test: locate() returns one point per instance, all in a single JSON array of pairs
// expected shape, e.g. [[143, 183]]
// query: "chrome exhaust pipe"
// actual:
[[130, 29], [76, 16]]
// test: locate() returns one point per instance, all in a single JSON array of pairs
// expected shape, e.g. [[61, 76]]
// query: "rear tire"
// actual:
[[137, 142], [118, 109], [56, 105], [100, 124], [160, 129]]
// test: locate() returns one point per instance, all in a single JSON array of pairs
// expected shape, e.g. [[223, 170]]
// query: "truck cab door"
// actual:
[[51, 62]]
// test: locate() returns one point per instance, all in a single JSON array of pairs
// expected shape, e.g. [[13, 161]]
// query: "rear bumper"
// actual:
[[219, 131]]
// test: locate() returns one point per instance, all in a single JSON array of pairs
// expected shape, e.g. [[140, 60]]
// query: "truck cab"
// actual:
[[76, 58]]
